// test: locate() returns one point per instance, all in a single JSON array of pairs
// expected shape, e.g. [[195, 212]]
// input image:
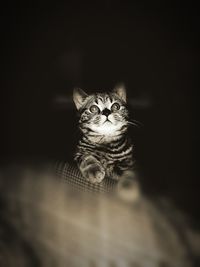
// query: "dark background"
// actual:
[[48, 48]]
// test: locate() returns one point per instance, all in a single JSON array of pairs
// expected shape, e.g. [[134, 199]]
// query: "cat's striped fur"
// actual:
[[105, 148]]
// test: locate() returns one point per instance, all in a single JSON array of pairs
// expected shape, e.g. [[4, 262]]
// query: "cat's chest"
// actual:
[[107, 161], [106, 157]]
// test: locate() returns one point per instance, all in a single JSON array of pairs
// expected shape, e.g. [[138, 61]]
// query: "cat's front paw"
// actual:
[[128, 187], [94, 173]]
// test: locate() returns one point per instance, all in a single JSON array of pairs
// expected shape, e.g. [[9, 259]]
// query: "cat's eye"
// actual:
[[94, 109], [115, 107]]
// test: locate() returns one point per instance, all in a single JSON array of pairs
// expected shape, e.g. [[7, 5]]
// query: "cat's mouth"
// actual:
[[107, 120], [107, 128]]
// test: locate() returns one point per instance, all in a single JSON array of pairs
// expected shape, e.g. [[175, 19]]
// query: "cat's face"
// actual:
[[102, 113]]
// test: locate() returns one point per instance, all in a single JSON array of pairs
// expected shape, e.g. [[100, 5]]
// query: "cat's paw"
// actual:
[[94, 173], [128, 187]]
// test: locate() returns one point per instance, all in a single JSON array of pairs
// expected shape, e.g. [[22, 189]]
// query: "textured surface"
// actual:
[[46, 222], [72, 176]]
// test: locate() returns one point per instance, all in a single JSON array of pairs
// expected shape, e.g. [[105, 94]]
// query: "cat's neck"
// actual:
[[104, 140]]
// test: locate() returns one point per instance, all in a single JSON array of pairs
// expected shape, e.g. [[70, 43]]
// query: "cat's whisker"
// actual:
[[140, 123], [135, 123], [132, 124]]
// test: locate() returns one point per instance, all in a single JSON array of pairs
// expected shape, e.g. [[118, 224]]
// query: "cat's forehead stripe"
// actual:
[[103, 99], [104, 102]]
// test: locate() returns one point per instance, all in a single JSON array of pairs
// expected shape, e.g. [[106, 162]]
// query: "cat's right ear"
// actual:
[[79, 97], [120, 90]]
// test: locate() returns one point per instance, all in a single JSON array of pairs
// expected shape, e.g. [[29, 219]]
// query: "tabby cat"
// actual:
[[105, 149]]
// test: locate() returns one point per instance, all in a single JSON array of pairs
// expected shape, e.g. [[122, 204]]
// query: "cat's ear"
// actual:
[[79, 97], [120, 90]]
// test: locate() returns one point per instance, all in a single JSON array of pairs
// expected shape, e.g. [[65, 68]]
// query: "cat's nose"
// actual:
[[106, 112]]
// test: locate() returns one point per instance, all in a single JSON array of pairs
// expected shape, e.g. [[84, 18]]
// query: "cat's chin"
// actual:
[[107, 129], [107, 122]]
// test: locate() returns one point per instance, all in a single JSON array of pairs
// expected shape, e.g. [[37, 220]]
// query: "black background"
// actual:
[[48, 48]]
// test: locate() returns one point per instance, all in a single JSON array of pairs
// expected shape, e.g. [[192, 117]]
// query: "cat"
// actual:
[[105, 149]]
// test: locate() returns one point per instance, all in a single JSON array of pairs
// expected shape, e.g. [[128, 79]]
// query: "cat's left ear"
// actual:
[[79, 97], [120, 90]]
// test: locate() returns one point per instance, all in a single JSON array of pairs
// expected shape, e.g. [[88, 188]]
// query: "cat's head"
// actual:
[[102, 114]]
